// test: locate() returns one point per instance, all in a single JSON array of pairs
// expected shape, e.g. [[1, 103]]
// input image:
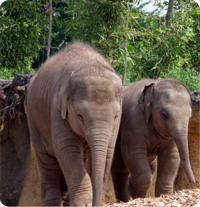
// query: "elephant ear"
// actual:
[[145, 100], [63, 97]]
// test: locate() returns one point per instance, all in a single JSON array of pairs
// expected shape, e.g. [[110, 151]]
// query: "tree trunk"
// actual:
[[50, 29], [125, 49], [125, 64], [169, 12]]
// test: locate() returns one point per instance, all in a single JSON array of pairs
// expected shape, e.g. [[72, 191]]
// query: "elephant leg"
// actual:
[[111, 149], [120, 180], [49, 180], [109, 157], [68, 149], [168, 165], [64, 191], [141, 175], [78, 181], [48, 168], [120, 175]]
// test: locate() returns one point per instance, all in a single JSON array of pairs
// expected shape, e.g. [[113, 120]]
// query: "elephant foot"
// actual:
[[83, 198], [167, 190], [123, 198], [137, 191], [82, 202], [65, 199], [51, 203], [89, 204]]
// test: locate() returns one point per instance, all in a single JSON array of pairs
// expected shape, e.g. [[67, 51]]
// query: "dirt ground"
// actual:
[[186, 197]]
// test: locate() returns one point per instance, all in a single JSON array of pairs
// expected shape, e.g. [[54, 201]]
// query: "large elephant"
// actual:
[[153, 131], [74, 99]]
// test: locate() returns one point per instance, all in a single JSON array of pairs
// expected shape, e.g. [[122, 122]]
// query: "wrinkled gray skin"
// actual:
[[74, 99], [153, 130]]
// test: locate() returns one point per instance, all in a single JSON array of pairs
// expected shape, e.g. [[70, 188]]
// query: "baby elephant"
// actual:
[[153, 130], [73, 101]]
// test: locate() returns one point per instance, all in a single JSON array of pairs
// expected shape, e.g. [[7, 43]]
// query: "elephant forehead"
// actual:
[[97, 95], [172, 94], [101, 95], [172, 90], [99, 86], [172, 98]]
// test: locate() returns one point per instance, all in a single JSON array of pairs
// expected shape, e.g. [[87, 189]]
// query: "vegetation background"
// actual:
[[138, 44]]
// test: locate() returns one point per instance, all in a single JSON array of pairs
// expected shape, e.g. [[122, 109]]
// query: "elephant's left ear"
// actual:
[[62, 100], [145, 100]]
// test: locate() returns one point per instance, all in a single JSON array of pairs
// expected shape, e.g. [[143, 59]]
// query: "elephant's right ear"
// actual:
[[63, 95], [145, 100], [62, 102]]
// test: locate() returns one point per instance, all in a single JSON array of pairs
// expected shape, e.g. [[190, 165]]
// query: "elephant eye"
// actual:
[[80, 118], [164, 115], [116, 117]]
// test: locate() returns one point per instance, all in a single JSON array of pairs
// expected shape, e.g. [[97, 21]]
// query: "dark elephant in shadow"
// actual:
[[154, 125]]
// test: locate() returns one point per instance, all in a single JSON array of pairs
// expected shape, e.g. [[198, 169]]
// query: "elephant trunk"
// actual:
[[98, 143], [182, 144]]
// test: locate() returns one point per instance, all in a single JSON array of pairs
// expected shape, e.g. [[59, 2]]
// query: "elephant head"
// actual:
[[91, 103], [167, 105]]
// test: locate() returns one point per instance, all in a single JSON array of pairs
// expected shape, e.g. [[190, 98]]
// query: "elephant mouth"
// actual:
[[162, 134]]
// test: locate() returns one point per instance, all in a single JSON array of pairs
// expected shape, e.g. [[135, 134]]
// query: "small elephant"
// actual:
[[153, 132], [73, 100]]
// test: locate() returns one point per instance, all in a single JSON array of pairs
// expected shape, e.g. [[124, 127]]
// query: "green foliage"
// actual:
[[181, 71], [154, 50], [9, 74], [60, 18], [19, 34], [101, 23], [161, 52]]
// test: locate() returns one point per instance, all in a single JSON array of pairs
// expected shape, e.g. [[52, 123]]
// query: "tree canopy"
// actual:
[[146, 44]]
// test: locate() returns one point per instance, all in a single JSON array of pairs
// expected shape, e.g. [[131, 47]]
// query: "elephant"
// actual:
[[14, 151], [153, 133], [73, 100]]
